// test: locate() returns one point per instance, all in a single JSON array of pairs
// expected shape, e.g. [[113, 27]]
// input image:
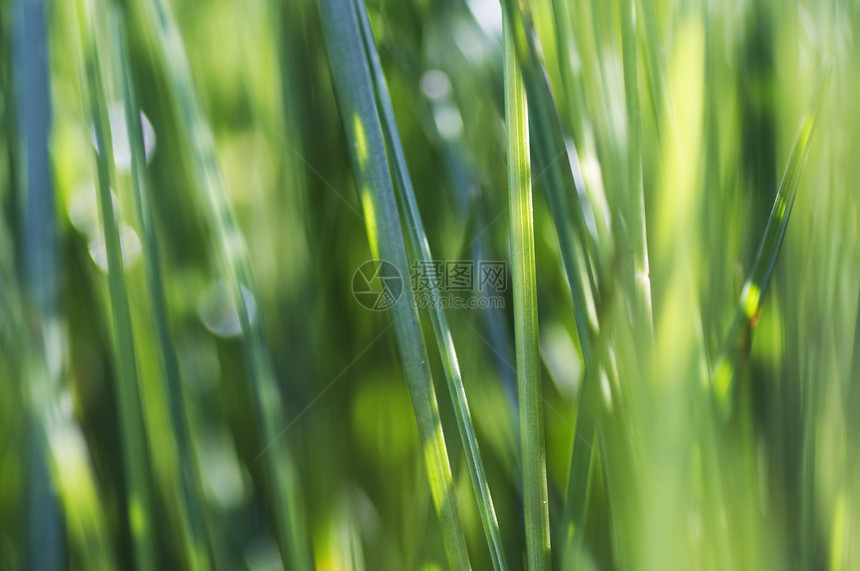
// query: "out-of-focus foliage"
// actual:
[[188, 381]]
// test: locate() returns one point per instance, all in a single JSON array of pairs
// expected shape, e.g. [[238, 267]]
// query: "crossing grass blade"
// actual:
[[738, 343], [420, 250], [523, 274], [282, 482], [141, 521], [354, 89]]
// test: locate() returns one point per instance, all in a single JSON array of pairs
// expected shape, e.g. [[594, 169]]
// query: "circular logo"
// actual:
[[377, 285]]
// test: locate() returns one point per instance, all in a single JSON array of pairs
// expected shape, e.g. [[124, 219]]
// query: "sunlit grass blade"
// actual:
[[190, 506], [355, 96], [139, 506], [282, 482], [738, 343], [564, 187], [578, 240], [421, 251], [524, 281]]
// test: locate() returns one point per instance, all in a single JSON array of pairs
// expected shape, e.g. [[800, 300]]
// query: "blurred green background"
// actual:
[[311, 379]]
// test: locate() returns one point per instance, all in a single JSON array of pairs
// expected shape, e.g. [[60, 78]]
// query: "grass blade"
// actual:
[[135, 461], [354, 89], [738, 343], [523, 274], [444, 340], [578, 247], [282, 480], [39, 258], [190, 508], [59, 469]]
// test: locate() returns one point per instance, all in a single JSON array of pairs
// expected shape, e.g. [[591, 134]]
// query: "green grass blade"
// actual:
[[355, 96], [135, 461], [282, 480], [59, 469], [738, 343], [39, 257], [578, 245], [523, 274], [444, 340], [190, 508]]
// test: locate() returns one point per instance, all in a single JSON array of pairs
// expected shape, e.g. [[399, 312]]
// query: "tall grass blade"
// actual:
[[584, 261], [563, 184], [141, 521], [58, 469], [39, 257], [523, 274], [192, 492], [421, 251], [282, 480], [738, 343], [355, 96]]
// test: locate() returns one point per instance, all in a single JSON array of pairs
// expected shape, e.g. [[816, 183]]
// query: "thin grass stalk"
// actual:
[[191, 486], [282, 479], [420, 250], [139, 504], [738, 343], [523, 273], [354, 89]]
